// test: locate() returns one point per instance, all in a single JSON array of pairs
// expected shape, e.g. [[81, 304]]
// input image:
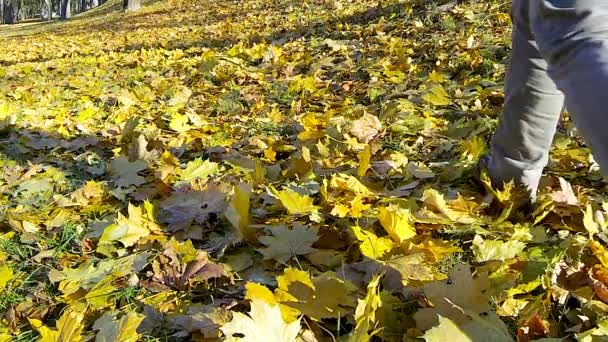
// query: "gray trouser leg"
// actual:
[[520, 147], [572, 36]]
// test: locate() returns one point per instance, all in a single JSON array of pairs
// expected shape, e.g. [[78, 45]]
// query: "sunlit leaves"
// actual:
[[277, 157], [123, 329], [294, 202], [263, 324], [396, 222], [198, 169], [69, 328], [128, 230], [371, 245], [6, 274], [238, 212], [486, 250]]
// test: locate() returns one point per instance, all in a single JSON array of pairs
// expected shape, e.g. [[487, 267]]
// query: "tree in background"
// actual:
[[46, 10], [13, 11], [8, 14], [66, 11], [131, 5]]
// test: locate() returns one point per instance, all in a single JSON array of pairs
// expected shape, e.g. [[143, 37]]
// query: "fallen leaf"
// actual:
[[126, 173], [366, 128], [69, 328], [263, 324], [182, 209], [285, 243], [123, 329], [396, 222], [295, 203]]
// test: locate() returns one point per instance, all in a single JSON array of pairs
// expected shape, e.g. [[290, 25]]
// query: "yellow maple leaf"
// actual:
[[295, 203], [599, 251], [364, 159], [6, 274], [325, 296], [371, 245], [396, 222], [237, 213], [69, 328], [264, 324], [349, 183], [260, 292]]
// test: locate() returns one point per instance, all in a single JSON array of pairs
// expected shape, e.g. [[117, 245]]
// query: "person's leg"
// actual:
[[533, 104], [573, 37]]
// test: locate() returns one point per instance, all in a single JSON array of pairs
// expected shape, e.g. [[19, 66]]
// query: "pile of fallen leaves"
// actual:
[[282, 170]]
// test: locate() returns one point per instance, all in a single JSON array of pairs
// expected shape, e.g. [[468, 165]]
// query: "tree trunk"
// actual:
[[131, 5], [49, 6], [1, 12], [9, 13], [65, 9], [94, 3]]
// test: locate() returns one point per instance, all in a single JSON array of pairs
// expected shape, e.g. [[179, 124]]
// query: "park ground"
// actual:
[[282, 170]]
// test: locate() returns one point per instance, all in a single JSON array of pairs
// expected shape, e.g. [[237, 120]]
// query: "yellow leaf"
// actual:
[[260, 292], [129, 230], [69, 328], [259, 173], [6, 274], [238, 213], [270, 154], [599, 251], [437, 247], [358, 207], [264, 324], [292, 275], [364, 159], [349, 183], [371, 245], [437, 96], [474, 148], [436, 77], [396, 222], [123, 329], [434, 200], [340, 210], [295, 203], [325, 296], [589, 221], [365, 313], [198, 169]]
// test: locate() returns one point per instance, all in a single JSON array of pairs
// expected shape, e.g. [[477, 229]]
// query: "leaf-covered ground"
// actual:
[[282, 170]]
